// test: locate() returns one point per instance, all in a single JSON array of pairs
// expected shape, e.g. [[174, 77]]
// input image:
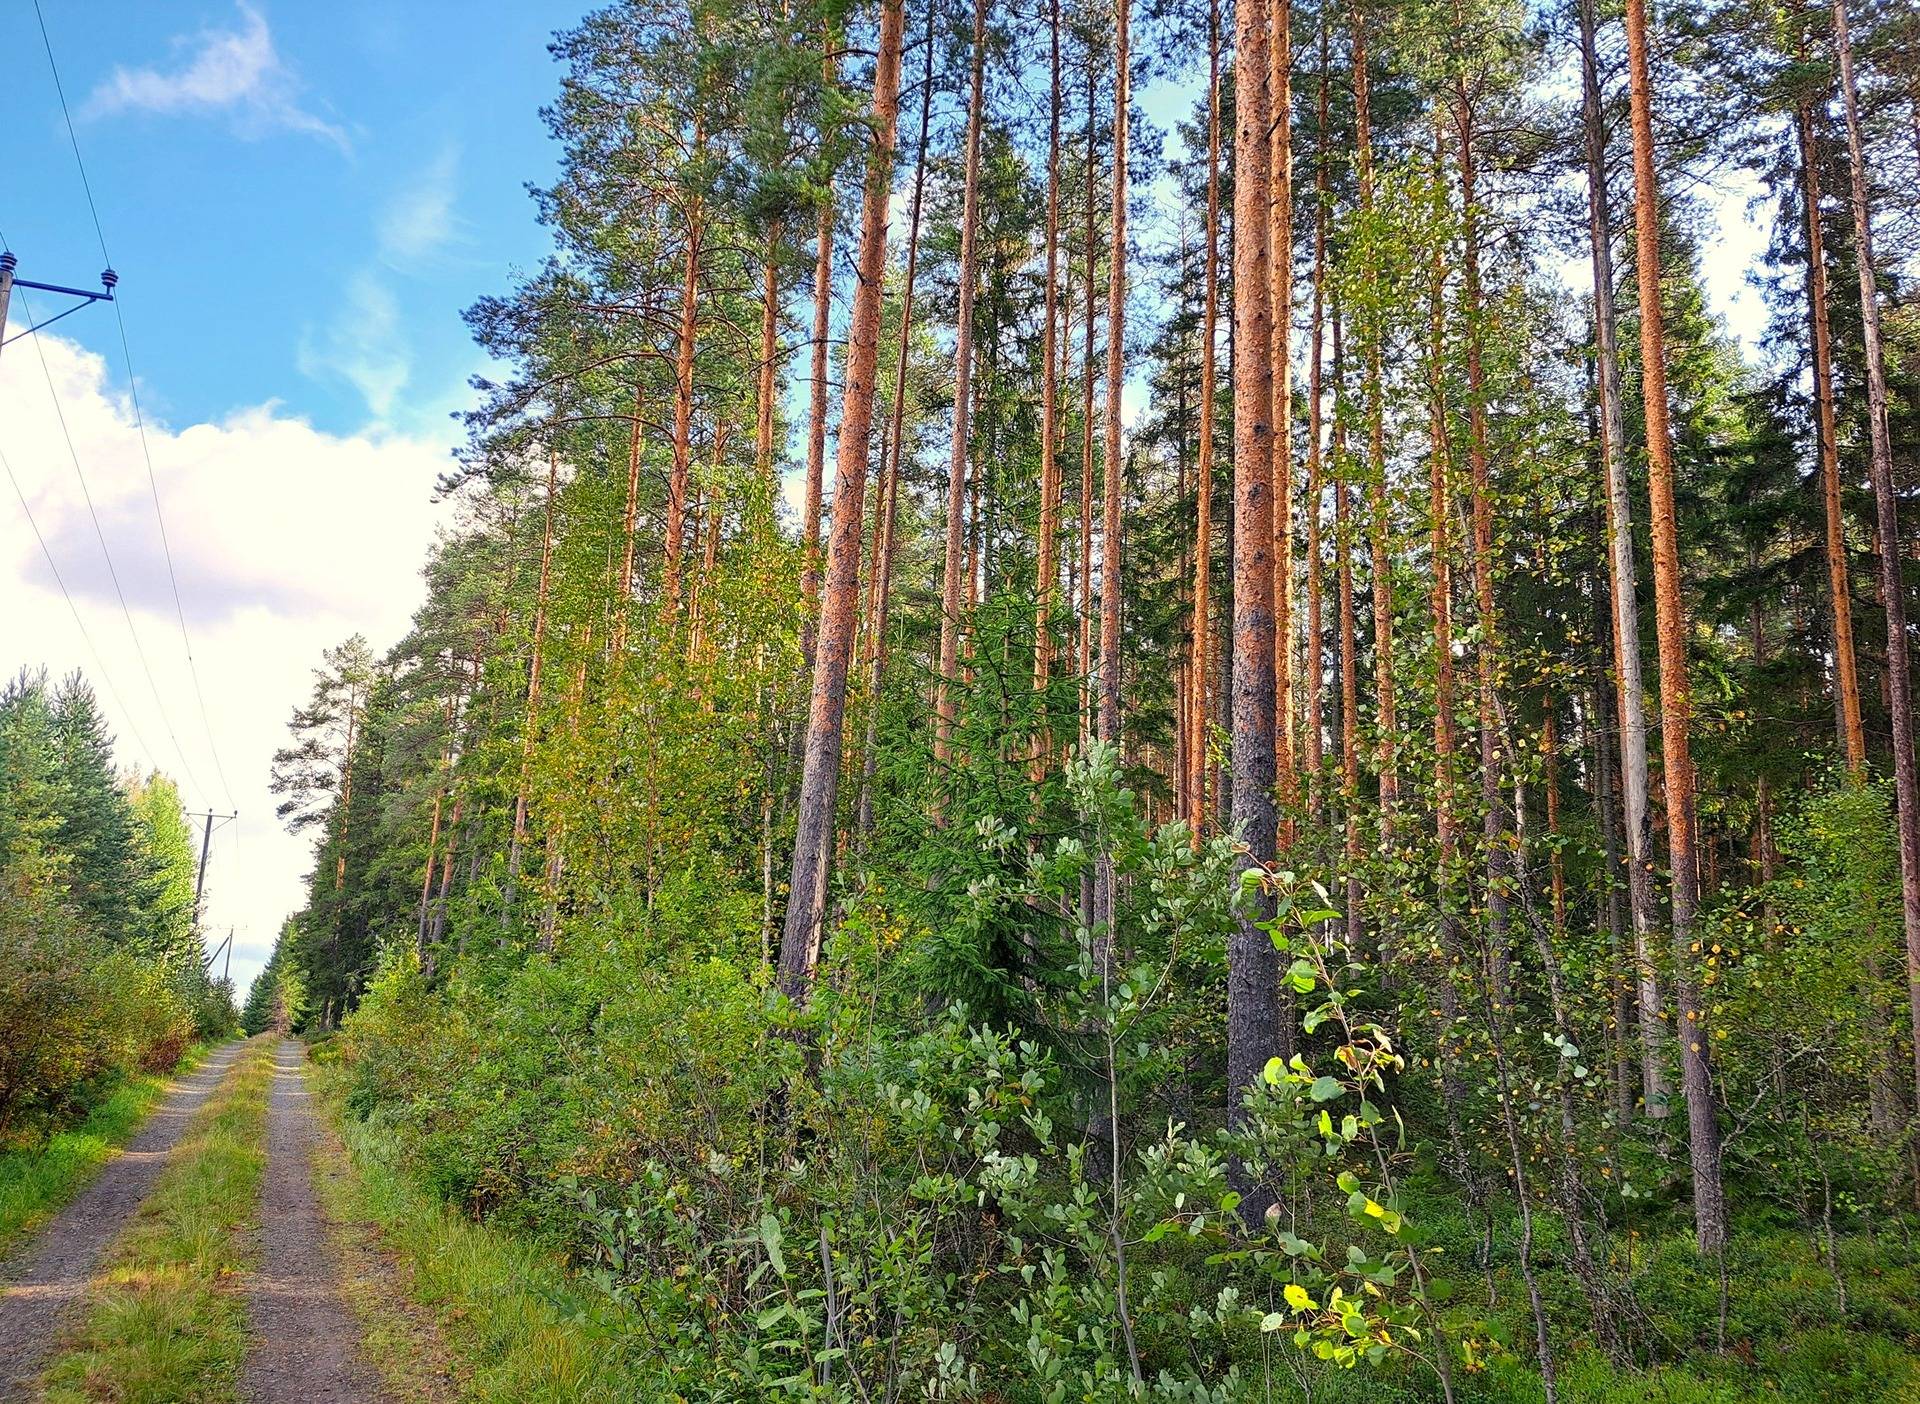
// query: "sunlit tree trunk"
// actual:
[[1311, 710], [955, 576], [1631, 692], [680, 479], [810, 511], [1846, 676], [1047, 566], [529, 721], [1280, 274], [764, 387], [1085, 620], [1380, 523], [891, 449], [1676, 701], [636, 446], [1253, 1005], [1487, 652], [1349, 639], [1201, 640], [1906, 785], [1112, 469], [813, 839]]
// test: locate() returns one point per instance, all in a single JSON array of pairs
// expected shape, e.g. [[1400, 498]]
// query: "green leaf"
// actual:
[[1324, 1089], [771, 1239]]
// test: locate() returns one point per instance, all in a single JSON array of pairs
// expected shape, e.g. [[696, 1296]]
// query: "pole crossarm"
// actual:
[[9, 281]]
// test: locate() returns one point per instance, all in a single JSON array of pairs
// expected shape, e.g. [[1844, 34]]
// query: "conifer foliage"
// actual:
[[1141, 701]]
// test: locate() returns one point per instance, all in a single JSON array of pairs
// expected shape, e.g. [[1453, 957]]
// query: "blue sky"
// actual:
[[299, 198]]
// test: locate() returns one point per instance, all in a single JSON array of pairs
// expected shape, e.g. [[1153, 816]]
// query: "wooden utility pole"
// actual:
[[206, 846]]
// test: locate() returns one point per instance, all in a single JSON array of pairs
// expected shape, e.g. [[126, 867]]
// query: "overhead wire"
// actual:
[[139, 419], [106, 678], [113, 573]]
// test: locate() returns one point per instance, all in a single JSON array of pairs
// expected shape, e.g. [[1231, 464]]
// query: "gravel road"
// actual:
[[51, 1270], [305, 1339]]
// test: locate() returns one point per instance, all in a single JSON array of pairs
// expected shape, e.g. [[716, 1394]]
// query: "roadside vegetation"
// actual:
[[39, 1180], [102, 981]]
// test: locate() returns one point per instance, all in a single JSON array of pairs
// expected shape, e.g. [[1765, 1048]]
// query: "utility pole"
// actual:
[[206, 845], [8, 282]]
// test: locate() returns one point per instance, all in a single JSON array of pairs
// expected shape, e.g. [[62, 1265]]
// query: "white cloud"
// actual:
[[285, 540], [236, 71], [419, 221], [363, 345]]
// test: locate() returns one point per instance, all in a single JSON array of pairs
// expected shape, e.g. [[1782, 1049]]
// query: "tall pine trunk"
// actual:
[[1112, 468], [820, 775], [1200, 642], [1253, 1005], [1310, 719], [1380, 521], [1631, 692], [810, 511], [1487, 651], [1906, 785], [891, 449], [1846, 676], [679, 480], [955, 575], [1047, 565], [1676, 700], [1280, 274]]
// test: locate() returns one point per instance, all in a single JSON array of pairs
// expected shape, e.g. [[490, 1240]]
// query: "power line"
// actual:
[[61, 90], [99, 663], [113, 574], [139, 419]]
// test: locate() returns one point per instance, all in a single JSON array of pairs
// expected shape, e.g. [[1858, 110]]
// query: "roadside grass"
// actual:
[[399, 1336], [517, 1329], [38, 1182], [166, 1320]]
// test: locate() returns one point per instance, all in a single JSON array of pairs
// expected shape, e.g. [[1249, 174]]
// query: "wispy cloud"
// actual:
[[420, 221], [363, 345], [234, 71]]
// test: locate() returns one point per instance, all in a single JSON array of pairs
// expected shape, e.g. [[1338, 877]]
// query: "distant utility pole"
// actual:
[[226, 975], [8, 282], [206, 844]]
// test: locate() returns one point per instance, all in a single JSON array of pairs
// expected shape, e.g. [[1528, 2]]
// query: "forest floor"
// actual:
[[202, 1265]]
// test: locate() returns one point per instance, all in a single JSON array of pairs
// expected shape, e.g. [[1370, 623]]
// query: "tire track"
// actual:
[[50, 1272], [306, 1341]]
